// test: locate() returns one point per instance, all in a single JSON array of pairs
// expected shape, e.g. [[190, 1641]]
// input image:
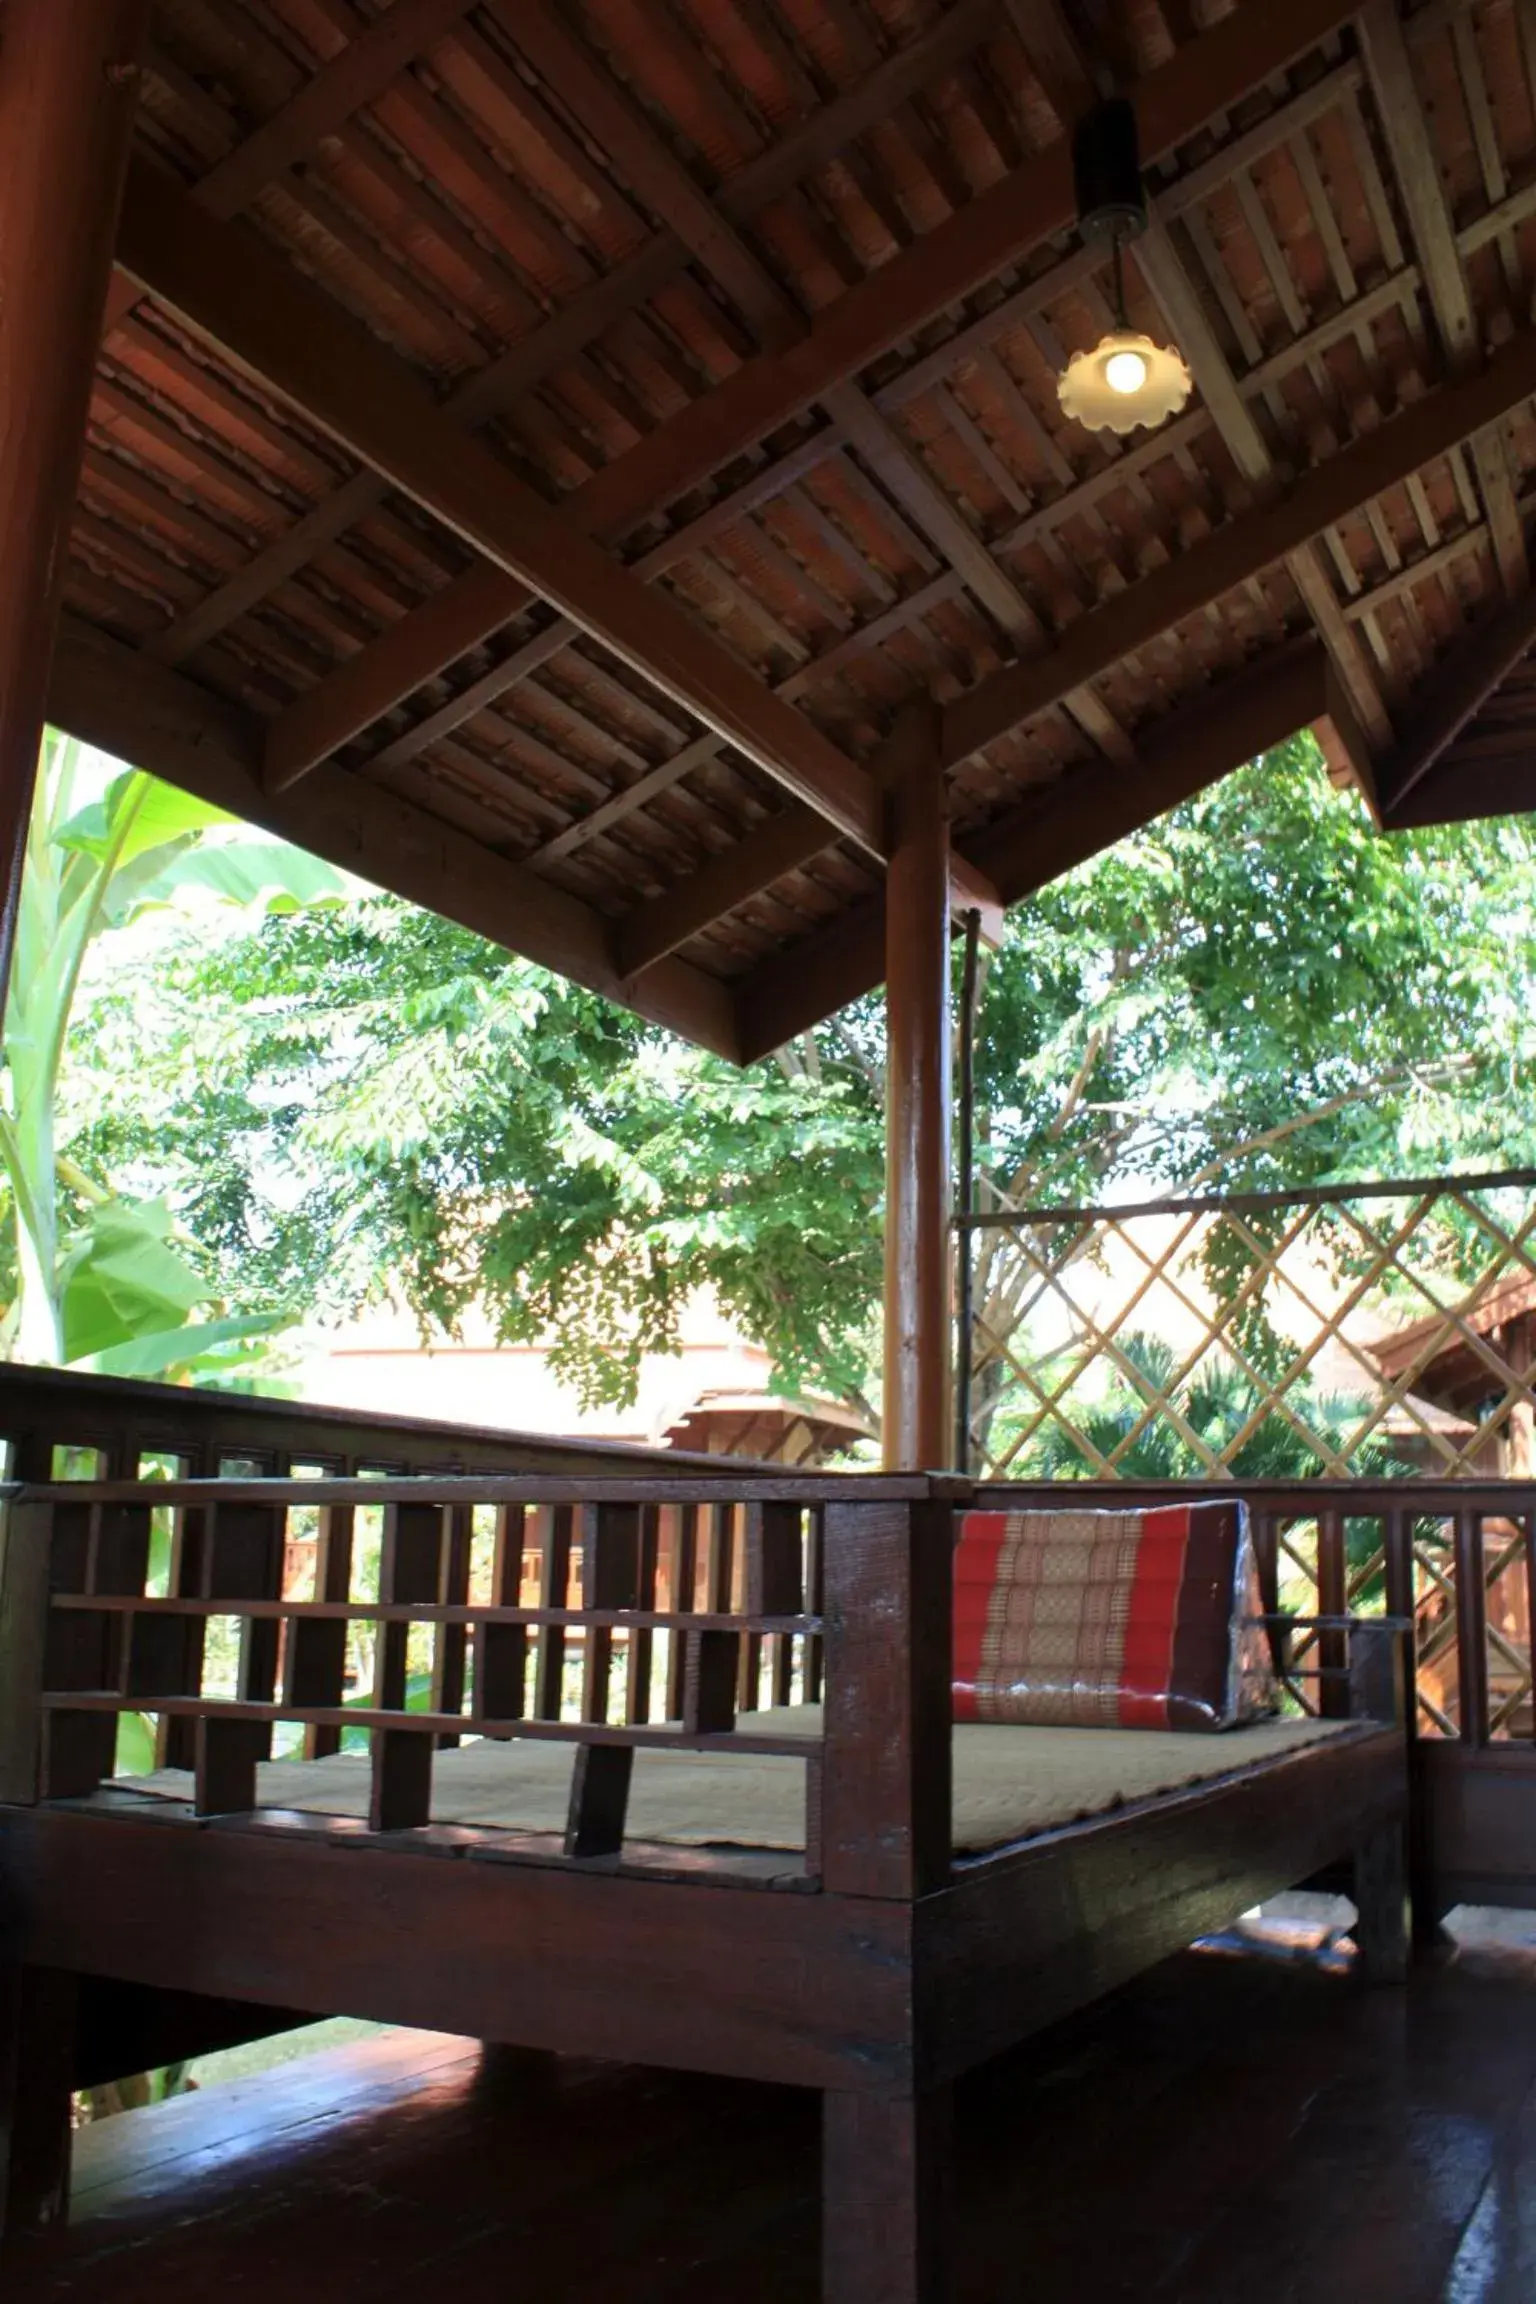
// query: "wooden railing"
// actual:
[[56, 1425], [612, 1616]]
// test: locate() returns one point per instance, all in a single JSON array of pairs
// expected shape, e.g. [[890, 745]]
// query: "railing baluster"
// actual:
[[641, 1659], [1471, 1629], [775, 1587], [501, 1650], [610, 1578], [410, 1569], [554, 1582], [683, 1583], [451, 1642], [317, 1655], [1332, 1600], [815, 1584]]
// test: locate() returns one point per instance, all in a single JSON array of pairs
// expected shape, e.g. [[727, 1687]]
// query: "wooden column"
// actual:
[[69, 84], [918, 1261]]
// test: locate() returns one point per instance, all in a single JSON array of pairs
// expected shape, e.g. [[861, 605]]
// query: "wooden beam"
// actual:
[[567, 332], [1322, 495], [915, 1428], [108, 695], [69, 88], [233, 291], [668, 190], [1029, 206], [787, 841], [1346, 747], [1168, 278], [1461, 787], [1454, 694], [1411, 146], [1200, 742], [363, 69], [1066, 824]]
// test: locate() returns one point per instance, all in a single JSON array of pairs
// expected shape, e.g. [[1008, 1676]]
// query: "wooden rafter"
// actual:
[[1069, 823], [1455, 695], [937, 271], [1406, 130], [322, 104], [667, 188], [232, 291], [1096, 642], [1168, 277], [566, 333], [108, 695], [779, 474], [1322, 495]]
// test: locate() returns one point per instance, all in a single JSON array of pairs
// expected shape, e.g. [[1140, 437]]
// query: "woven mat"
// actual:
[[1009, 1782]]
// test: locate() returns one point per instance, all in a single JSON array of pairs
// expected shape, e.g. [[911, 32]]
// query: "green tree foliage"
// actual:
[[97, 1278], [1258, 990], [392, 1099]]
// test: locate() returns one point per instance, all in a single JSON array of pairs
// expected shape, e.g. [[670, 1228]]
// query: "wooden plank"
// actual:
[[1019, 1941], [1000, 226], [813, 1990], [234, 292], [1322, 495], [107, 695]]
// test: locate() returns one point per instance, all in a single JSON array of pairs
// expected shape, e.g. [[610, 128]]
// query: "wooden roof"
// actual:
[[545, 454]]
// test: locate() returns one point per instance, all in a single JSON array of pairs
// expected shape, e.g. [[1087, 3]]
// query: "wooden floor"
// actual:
[[1231, 2130]]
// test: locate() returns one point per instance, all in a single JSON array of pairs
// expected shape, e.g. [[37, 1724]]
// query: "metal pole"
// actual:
[[965, 1194]]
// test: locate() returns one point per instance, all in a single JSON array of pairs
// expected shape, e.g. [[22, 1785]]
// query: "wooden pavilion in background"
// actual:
[[598, 472]]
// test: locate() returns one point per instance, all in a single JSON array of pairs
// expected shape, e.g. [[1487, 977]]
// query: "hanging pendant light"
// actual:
[[1126, 379]]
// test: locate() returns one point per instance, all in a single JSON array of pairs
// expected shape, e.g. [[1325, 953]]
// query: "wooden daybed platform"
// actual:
[[875, 1962]]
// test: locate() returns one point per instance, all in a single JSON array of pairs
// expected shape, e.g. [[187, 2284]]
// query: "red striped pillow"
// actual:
[[1110, 1619]]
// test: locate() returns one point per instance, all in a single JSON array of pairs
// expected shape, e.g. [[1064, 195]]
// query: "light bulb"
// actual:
[[1125, 371]]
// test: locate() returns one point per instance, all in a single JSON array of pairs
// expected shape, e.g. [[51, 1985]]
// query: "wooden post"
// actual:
[[885, 2211], [918, 1310], [37, 2057], [69, 84]]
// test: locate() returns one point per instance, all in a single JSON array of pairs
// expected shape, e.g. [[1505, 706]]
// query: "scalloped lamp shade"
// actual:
[[1124, 381]]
